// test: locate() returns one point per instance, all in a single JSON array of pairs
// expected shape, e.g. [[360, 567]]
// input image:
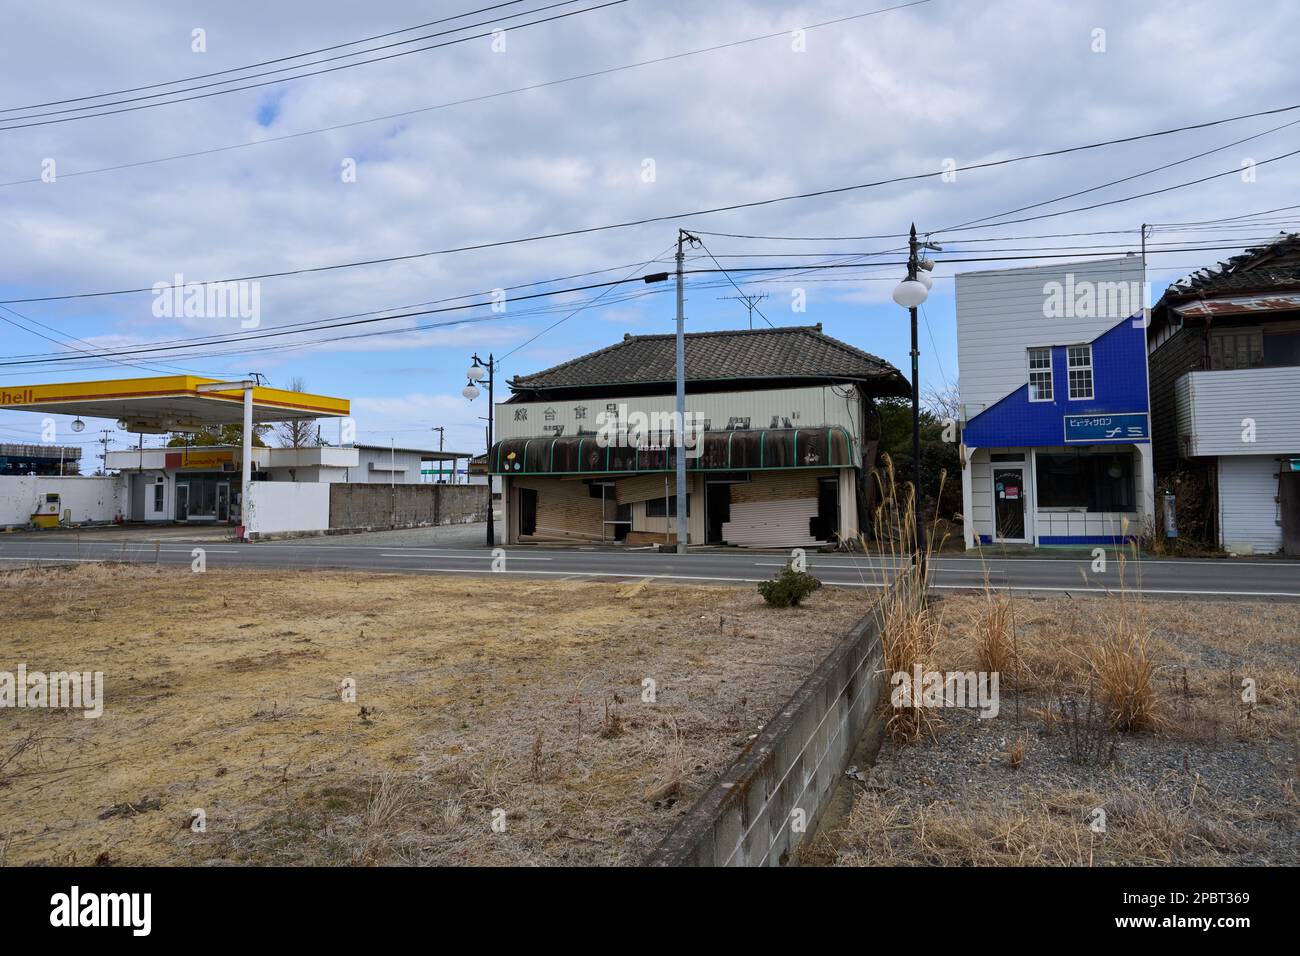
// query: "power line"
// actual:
[[252, 66], [1116, 182], [737, 206], [332, 69], [273, 333], [584, 306], [753, 307], [473, 99], [318, 324]]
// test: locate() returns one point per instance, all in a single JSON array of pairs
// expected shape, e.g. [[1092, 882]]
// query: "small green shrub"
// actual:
[[788, 588]]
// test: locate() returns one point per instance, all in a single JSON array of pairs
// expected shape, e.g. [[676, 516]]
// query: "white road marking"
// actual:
[[459, 557], [1100, 590], [86, 560]]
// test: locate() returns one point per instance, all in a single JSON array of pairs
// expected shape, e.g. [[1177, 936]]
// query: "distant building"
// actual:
[[200, 483], [1055, 425], [585, 449], [1225, 393], [39, 460], [387, 464]]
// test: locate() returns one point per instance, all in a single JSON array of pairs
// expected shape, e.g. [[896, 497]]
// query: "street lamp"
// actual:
[[471, 391], [910, 294]]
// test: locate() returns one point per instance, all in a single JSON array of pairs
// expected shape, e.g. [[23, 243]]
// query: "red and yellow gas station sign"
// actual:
[[199, 458]]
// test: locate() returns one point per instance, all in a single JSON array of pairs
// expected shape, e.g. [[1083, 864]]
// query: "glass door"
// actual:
[[1009, 503], [223, 502], [182, 501]]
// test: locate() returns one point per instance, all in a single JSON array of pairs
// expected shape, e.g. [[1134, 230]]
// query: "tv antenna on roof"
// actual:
[[751, 302]]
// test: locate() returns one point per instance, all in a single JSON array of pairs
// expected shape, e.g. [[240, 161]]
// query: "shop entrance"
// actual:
[[1009, 504]]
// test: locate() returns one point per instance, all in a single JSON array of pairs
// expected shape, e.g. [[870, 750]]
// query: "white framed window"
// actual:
[[1078, 363], [1040, 375]]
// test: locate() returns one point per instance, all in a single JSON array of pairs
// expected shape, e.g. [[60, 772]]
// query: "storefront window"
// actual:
[[1090, 481], [208, 494]]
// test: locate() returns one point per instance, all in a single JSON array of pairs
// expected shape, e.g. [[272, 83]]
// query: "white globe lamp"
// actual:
[[910, 293]]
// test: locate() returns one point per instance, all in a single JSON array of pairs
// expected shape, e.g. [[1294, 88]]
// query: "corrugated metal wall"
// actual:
[[1248, 511], [774, 509]]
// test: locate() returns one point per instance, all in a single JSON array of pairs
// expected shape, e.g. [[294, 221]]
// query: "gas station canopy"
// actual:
[[168, 403]]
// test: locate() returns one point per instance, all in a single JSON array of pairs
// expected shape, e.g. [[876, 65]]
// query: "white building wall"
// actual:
[[382, 466], [279, 506], [1001, 315], [1248, 507], [88, 498], [1250, 411]]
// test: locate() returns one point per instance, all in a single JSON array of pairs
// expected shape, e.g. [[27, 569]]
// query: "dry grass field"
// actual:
[[1127, 707], [473, 695]]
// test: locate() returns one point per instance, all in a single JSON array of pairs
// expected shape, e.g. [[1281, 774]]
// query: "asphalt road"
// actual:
[[1253, 579]]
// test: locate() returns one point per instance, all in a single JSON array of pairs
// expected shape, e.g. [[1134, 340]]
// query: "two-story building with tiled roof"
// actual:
[[1224, 349], [784, 420]]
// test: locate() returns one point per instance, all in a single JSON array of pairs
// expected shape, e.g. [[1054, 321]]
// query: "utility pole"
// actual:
[[911, 292], [751, 302], [441, 431], [683, 237], [103, 440]]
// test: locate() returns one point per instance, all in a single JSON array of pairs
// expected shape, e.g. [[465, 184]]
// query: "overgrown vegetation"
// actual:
[[1131, 731]]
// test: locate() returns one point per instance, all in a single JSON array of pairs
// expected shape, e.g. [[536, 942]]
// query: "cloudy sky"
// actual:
[[772, 113]]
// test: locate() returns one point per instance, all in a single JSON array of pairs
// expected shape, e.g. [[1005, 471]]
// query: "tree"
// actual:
[[940, 454], [299, 432], [229, 434]]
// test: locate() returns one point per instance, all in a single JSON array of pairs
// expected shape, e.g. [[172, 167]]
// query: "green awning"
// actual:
[[758, 449]]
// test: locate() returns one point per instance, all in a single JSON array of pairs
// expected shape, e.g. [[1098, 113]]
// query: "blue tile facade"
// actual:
[[1119, 371]]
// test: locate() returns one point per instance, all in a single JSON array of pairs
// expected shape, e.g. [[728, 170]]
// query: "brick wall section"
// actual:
[[1175, 357], [365, 506]]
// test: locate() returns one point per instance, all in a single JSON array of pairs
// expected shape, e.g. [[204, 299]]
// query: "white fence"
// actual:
[[88, 498], [276, 507]]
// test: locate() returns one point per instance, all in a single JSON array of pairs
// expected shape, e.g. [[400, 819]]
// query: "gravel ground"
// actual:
[[1214, 783]]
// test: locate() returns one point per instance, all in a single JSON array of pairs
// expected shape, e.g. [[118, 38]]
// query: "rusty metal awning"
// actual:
[[1240, 305], [757, 449]]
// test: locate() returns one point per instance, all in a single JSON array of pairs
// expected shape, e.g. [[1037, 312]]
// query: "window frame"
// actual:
[[1071, 367], [1051, 379]]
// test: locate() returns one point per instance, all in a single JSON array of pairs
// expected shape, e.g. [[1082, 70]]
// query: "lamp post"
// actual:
[[475, 374], [910, 294]]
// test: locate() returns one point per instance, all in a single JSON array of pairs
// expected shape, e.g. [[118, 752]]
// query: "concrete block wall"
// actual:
[[353, 505], [746, 817]]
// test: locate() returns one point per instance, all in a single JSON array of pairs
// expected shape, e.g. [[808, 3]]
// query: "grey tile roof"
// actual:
[[782, 353], [1274, 267]]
